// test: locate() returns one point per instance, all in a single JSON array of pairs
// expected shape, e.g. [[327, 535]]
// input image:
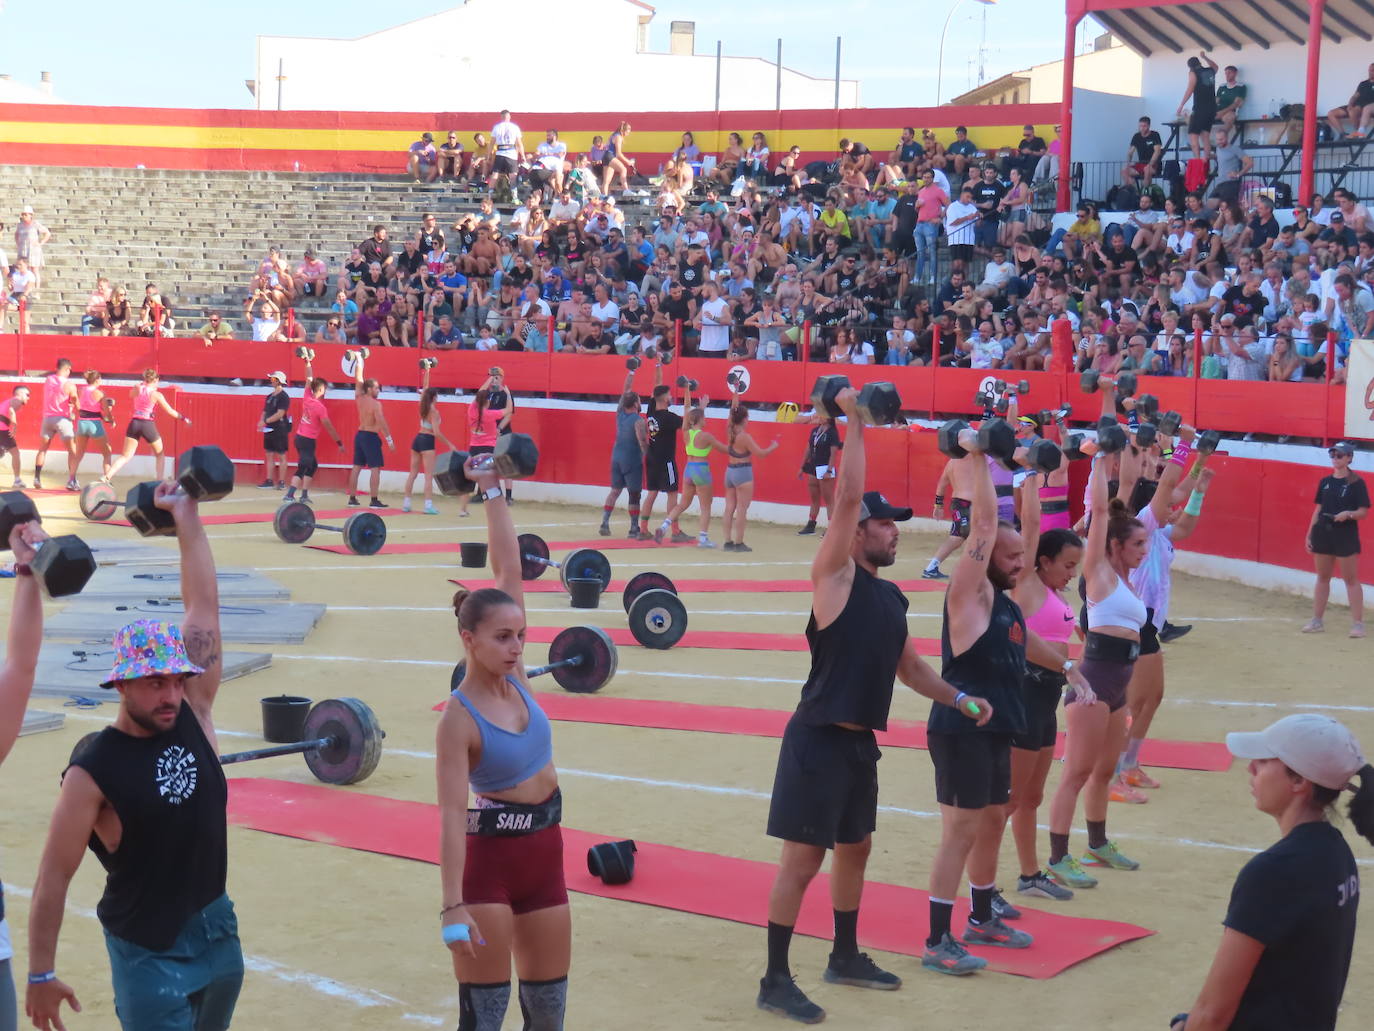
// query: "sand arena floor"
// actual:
[[349, 940]]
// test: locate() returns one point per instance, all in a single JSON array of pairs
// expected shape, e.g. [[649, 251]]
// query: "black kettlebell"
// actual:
[[612, 861]]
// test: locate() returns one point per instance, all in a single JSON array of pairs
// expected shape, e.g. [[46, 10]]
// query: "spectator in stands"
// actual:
[[755, 163], [265, 316], [479, 160], [551, 163], [332, 331], [1143, 155], [1143, 228], [1247, 354], [1202, 82], [618, 164], [903, 159], [421, 162], [155, 314], [961, 153], [376, 249], [1284, 365], [1263, 228], [117, 314], [1359, 109], [1082, 235], [1232, 164], [1230, 98], [215, 328], [1337, 233], [1029, 150], [961, 219], [312, 276], [448, 161], [507, 151], [988, 192], [30, 237], [96, 304], [1356, 214], [1047, 168]]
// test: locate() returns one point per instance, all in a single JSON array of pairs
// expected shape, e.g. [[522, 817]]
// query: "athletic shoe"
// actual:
[[705, 542], [305, 498], [660, 533], [1002, 909], [1313, 626], [728, 546], [1356, 629], [681, 538], [1070, 873], [430, 509], [858, 971], [19, 484], [405, 503], [605, 530], [741, 546], [1109, 855], [510, 500], [809, 528], [290, 494], [1138, 778], [266, 483], [72, 484], [933, 574], [281, 485], [353, 501], [783, 997], [1123, 792], [377, 503], [1040, 886], [995, 932], [38, 482], [636, 535], [949, 957], [1172, 632]]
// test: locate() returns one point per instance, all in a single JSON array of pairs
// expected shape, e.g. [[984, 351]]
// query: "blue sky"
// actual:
[[200, 52]]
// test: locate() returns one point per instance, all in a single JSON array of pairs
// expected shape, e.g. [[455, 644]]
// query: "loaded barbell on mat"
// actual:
[[658, 618], [516, 456], [647, 581], [612, 861], [204, 472], [343, 742], [61, 565], [582, 659], [364, 533], [583, 564]]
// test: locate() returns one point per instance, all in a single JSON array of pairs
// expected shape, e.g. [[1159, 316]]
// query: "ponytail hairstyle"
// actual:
[[695, 416], [149, 375], [1360, 810], [1052, 542], [427, 401], [483, 396], [92, 377], [1120, 524], [471, 607], [738, 417]]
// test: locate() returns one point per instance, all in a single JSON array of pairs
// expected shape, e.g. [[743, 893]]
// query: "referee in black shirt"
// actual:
[[1333, 537], [825, 793]]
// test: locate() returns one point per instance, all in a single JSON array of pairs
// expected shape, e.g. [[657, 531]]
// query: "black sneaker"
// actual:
[[281, 485], [933, 574], [266, 483], [290, 494], [1173, 633], [728, 546], [375, 503], [858, 971], [305, 497], [353, 501], [605, 530], [809, 528], [783, 997], [509, 500], [1002, 909]]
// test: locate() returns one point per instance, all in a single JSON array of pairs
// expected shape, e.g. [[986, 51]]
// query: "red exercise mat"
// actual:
[[723, 887], [1206, 756], [555, 548], [229, 518], [709, 586]]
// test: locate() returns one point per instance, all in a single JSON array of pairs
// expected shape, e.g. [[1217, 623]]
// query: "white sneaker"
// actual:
[[19, 484], [405, 504], [704, 542]]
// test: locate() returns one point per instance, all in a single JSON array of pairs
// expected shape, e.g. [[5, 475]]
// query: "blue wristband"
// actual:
[[959, 699], [51, 975], [456, 933]]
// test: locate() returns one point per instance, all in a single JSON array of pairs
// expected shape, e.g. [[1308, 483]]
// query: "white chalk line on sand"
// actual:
[[363, 998]]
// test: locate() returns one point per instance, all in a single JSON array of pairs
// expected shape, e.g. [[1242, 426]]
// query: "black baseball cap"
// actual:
[[875, 506], [1343, 447]]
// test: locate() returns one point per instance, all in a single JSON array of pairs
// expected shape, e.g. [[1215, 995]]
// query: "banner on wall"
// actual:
[[1359, 392]]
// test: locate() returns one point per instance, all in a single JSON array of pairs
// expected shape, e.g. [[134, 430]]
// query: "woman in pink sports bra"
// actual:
[[141, 425], [93, 411], [484, 428], [1058, 552]]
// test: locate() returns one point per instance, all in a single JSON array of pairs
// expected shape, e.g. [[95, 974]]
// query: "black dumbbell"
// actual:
[[879, 404], [689, 384], [994, 437], [1111, 436], [1091, 381], [204, 472], [1041, 456], [1169, 423], [1207, 443], [516, 456], [428, 363], [1146, 434], [364, 533], [632, 363], [1147, 406], [1074, 447], [305, 353], [362, 352], [1125, 384], [612, 861], [61, 565]]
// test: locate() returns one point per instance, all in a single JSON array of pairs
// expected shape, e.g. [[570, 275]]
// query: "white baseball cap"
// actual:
[[1315, 747], [280, 377]]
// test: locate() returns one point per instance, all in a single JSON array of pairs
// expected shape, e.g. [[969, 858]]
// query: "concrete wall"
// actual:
[[1103, 124], [473, 59]]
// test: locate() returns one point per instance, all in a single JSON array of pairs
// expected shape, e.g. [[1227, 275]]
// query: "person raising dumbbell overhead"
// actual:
[[314, 417], [818, 466], [484, 430], [93, 411], [627, 456], [422, 447], [1333, 537], [696, 474], [372, 430], [149, 798], [141, 426], [955, 481], [825, 789], [275, 426], [9, 423], [742, 449], [503, 891], [660, 460]]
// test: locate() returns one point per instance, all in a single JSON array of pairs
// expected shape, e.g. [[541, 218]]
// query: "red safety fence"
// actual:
[[1314, 410]]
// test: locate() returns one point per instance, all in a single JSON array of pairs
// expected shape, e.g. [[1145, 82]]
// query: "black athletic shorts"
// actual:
[[306, 462], [1201, 120], [423, 442], [1044, 688], [503, 165], [972, 770], [142, 429], [961, 510], [367, 449], [825, 791], [661, 476], [277, 439], [1338, 539], [7, 442]]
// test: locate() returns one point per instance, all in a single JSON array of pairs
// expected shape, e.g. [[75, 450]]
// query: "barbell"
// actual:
[[364, 533], [582, 659]]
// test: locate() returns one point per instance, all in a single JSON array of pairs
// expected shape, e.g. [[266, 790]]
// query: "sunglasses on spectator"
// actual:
[[334, 325], [214, 320]]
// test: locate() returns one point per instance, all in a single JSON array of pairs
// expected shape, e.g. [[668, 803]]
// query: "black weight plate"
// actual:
[[658, 619], [647, 581], [294, 522], [532, 547], [599, 659], [364, 533], [356, 747], [586, 564], [98, 501]]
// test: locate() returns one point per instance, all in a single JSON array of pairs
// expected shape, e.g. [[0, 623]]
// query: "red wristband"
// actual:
[[23, 569]]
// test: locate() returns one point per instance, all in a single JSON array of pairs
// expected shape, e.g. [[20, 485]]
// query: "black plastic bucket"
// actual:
[[283, 718], [472, 554], [585, 592]]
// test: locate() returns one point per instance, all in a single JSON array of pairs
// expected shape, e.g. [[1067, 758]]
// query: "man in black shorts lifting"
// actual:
[[983, 643], [825, 792], [660, 460]]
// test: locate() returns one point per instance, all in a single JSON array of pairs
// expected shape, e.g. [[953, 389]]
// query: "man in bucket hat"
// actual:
[[148, 796]]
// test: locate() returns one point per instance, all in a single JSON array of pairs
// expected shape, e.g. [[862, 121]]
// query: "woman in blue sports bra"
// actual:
[[501, 844]]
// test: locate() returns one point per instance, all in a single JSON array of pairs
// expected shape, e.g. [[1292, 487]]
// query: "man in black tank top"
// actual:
[[825, 791], [983, 644], [147, 795]]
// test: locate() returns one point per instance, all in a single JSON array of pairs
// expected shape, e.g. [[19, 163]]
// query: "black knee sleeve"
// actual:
[[542, 1003], [634, 498], [482, 1007]]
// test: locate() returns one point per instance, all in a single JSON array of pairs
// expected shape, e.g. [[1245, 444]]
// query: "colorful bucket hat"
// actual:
[[149, 648]]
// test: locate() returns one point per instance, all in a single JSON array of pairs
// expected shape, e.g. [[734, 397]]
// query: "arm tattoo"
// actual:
[[202, 646], [976, 553]]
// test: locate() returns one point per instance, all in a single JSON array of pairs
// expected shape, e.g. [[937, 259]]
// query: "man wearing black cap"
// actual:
[[825, 792]]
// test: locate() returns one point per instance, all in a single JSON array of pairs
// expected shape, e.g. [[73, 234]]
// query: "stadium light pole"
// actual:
[[940, 61]]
